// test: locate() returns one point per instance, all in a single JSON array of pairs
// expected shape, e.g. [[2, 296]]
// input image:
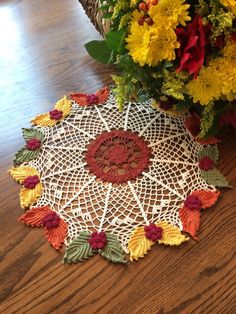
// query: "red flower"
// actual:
[[55, 114], [193, 202], [55, 227], [153, 233], [51, 220], [192, 41], [31, 182], [97, 240], [33, 144], [206, 163]]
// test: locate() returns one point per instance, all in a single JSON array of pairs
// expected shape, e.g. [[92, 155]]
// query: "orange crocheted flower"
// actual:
[[99, 96], [190, 212], [55, 227]]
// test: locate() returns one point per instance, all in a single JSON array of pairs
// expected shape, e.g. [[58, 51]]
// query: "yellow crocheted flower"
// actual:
[[61, 110], [170, 13], [206, 87], [150, 44], [230, 4]]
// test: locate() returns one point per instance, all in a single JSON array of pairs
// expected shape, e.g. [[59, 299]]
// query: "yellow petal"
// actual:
[[138, 244], [44, 120], [171, 234], [20, 173], [64, 105], [29, 196]]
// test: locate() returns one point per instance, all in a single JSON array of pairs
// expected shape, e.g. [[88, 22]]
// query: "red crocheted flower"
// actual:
[[33, 144], [51, 220], [55, 114], [92, 99], [98, 240], [193, 41], [153, 233], [206, 163], [54, 226], [30, 182], [118, 156], [193, 202]]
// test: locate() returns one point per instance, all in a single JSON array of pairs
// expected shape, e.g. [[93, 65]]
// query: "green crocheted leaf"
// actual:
[[32, 133], [79, 249], [214, 177], [25, 154], [113, 251], [211, 152]]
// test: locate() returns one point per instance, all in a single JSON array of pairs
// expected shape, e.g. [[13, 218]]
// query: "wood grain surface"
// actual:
[[42, 57]]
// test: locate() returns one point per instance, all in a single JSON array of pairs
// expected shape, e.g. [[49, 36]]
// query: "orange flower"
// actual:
[[55, 227], [99, 96]]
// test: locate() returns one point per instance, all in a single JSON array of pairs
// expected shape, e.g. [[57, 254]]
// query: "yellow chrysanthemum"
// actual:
[[230, 50], [206, 87], [230, 4], [150, 44], [170, 13]]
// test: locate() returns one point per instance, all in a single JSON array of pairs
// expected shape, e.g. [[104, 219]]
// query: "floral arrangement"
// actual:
[[181, 54]]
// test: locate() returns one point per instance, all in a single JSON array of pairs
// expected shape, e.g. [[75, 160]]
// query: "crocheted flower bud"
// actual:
[[153, 233], [55, 114], [193, 202], [33, 144], [98, 240], [50, 221], [206, 163], [92, 99], [30, 182]]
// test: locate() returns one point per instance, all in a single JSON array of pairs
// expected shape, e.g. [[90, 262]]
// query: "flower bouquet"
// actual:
[[181, 54]]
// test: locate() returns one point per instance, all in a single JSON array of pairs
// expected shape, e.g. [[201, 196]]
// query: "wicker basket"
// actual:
[[95, 15]]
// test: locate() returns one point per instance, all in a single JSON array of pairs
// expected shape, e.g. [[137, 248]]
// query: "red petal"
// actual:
[[80, 99], [190, 220], [56, 236], [102, 94], [35, 215], [208, 198]]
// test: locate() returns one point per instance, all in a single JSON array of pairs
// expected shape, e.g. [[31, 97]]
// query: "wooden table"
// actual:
[[42, 57]]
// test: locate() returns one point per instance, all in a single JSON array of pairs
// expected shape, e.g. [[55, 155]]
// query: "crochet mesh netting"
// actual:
[[157, 190]]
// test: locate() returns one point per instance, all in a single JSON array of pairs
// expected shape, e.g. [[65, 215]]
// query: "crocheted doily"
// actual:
[[100, 178]]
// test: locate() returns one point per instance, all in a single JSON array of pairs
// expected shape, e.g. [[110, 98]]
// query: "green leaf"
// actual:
[[211, 152], [113, 251], [79, 249], [113, 39], [214, 177], [32, 133], [25, 154], [99, 51], [107, 15]]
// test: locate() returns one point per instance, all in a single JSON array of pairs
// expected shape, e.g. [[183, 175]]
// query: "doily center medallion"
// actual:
[[118, 156]]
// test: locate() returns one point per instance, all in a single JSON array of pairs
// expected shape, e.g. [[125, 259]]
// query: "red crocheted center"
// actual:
[[118, 156]]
